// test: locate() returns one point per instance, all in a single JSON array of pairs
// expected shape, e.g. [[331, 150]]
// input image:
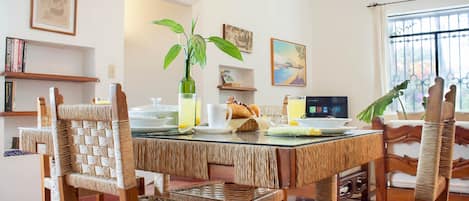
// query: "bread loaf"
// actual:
[[241, 110]]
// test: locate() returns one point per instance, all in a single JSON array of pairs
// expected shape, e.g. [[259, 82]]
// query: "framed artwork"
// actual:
[[239, 37], [229, 78], [59, 16], [288, 62]]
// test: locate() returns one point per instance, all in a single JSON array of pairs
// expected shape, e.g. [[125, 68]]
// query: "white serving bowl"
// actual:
[[323, 122], [148, 122]]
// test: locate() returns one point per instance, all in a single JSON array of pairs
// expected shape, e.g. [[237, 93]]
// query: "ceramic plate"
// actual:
[[325, 132], [205, 129], [340, 130], [153, 129]]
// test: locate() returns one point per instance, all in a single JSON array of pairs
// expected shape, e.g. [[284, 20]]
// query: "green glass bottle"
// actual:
[[187, 84]]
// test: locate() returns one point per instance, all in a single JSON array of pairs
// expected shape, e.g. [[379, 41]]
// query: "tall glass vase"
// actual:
[[187, 110]]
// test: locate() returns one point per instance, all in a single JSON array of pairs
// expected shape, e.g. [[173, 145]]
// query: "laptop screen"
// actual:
[[327, 106]]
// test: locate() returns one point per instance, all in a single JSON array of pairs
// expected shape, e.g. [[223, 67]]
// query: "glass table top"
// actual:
[[253, 138]]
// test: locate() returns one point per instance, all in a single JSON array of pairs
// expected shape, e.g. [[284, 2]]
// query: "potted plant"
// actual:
[[378, 107], [194, 46]]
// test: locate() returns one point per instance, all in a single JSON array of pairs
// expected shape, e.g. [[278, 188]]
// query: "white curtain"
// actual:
[[380, 29]]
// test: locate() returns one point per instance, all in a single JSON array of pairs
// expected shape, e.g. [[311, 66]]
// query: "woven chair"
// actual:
[[93, 147], [39, 140], [436, 150]]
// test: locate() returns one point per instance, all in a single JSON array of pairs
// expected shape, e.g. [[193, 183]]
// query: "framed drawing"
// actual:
[[229, 78], [59, 16], [288, 62], [239, 37]]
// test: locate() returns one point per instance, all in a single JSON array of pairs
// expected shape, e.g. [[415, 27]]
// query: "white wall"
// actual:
[[343, 52], [339, 58], [100, 26], [338, 35], [146, 45], [287, 20]]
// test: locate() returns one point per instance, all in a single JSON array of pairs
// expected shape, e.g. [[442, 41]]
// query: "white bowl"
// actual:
[[148, 122], [323, 122]]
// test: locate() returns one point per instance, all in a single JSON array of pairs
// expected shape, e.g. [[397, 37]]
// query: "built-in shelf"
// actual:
[[221, 87], [49, 77], [18, 114]]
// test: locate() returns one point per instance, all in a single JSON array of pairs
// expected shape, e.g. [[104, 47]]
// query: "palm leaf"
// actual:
[[378, 107], [172, 54], [226, 46], [199, 48], [174, 26]]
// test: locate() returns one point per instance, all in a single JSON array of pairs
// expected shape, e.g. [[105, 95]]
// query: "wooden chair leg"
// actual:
[[99, 197], [141, 185], [129, 194], [67, 193], [45, 172], [285, 195], [46, 194], [381, 189], [326, 189]]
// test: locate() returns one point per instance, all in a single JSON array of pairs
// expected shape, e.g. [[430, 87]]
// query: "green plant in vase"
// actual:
[[195, 47]]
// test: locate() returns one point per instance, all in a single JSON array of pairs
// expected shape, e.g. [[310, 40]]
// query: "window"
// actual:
[[428, 44]]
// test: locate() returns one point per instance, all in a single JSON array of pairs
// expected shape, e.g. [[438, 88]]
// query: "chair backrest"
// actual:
[[397, 133], [93, 143], [43, 113], [435, 157]]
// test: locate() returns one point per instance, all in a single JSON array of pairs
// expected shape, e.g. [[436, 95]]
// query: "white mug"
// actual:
[[217, 115]]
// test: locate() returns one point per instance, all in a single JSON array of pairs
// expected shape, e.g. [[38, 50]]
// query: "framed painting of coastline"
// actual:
[[57, 16], [239, 37], [288, 62]]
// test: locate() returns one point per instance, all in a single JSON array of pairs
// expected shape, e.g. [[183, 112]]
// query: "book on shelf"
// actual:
[[9, 93], [8, 53], [14, 57]]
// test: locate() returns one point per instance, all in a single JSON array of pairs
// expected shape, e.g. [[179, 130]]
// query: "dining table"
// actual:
[[257, 159], [251, 158]]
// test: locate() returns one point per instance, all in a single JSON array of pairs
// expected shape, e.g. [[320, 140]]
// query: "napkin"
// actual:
[[294, 131]]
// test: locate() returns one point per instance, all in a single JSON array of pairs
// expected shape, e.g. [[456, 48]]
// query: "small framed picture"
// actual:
[[240, 37], [57, 16], [228, 78]]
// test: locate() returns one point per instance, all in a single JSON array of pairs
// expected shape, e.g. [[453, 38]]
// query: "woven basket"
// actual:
[[248, 126]]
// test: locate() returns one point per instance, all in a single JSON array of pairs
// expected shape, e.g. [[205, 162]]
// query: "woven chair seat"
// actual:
[[153, 198], [232, 192], [220, 192]]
